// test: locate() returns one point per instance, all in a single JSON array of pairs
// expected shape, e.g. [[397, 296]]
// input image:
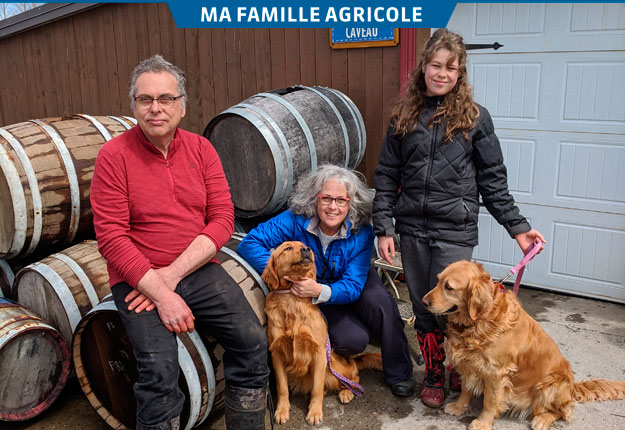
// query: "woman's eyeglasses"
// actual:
[[327, 200]]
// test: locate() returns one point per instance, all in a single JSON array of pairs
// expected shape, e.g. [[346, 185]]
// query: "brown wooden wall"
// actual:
[[82, 63]]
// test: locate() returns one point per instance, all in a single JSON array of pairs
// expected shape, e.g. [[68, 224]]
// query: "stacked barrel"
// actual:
[[45, 173]]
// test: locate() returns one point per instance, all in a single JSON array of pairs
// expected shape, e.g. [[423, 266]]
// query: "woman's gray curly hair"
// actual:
[[303, 200], [156, 64]]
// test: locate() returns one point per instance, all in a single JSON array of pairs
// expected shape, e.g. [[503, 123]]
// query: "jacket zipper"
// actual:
[[326, 261], [427, 179]]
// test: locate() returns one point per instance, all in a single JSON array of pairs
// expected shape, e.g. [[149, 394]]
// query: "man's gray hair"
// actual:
[[156, 64], [303, 199]]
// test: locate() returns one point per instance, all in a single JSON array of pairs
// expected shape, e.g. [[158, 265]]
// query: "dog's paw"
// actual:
[[541, 422], [314, 417], [456, 409], [281, 416], [346, 396], [480, 425]]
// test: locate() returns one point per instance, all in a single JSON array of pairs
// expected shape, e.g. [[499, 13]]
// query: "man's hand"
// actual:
[[140, 302], [175, 314], [386, 248]]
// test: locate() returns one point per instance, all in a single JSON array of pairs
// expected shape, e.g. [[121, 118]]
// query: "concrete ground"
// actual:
[[590, 334]]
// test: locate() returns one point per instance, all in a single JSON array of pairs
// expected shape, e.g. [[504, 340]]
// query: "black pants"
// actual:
[[373, 316], [221, 309], [423, 260]]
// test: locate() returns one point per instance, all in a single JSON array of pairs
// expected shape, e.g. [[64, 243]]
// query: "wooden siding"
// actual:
[[82, 63]]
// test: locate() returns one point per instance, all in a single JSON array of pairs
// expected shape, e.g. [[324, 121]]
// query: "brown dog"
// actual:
[[297, 335], [502, 352]]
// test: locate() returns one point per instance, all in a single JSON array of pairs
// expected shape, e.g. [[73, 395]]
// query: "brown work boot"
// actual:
[[431, 345], [455, 383]]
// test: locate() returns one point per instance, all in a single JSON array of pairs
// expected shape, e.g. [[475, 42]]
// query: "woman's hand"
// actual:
[[526, 239], [306, 287]]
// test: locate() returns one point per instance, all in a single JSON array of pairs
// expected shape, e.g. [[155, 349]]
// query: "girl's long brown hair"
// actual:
[[457, 107]]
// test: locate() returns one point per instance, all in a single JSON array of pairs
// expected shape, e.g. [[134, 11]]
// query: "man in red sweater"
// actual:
[[162, 210]]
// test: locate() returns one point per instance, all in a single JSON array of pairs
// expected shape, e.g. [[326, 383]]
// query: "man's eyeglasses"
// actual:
[[327, 200], [163, 101]]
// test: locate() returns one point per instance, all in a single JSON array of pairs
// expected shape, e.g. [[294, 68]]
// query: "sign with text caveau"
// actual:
[[365, 37]]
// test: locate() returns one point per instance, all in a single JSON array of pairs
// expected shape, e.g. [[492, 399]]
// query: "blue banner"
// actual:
[[316, 13]]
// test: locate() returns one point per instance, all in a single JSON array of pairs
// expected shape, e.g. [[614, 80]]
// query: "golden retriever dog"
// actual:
[[297, 333], [501, 352]]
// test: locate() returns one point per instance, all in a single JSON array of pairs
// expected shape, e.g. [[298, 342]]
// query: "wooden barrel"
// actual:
[[245, 225], [34, 363], [46, 167], [6, 279], [64, 286], [106, 369], [268, 141], [105, 364]]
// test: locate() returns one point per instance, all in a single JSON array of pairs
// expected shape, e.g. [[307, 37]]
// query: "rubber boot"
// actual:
[[431, 345], [245, 408]]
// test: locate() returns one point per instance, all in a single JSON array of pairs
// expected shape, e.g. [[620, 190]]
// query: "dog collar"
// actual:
[[288, 291], [502, 289]]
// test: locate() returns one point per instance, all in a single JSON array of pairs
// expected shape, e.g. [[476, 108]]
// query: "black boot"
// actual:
[[245, 408]]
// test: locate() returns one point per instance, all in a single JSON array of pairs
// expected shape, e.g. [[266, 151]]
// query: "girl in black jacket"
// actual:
[[439, 155]]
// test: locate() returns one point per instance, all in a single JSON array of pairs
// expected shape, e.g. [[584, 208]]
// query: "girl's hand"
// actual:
[[305, 287], [526, 239], [386, 248]]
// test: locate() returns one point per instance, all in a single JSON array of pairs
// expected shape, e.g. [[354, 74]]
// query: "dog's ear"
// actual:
[[480, 294], [269, 274]]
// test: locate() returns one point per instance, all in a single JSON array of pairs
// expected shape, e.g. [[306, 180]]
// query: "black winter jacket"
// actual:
[[431, 188]]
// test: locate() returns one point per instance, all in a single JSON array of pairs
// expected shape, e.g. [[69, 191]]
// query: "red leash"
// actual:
[[520, 268]]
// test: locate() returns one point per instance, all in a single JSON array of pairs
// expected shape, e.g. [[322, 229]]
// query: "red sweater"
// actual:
[[148, 209]]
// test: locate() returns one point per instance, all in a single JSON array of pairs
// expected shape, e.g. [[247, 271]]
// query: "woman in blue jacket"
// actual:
[[330, 212]]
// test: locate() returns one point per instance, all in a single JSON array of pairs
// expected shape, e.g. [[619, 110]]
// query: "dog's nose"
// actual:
[[305, 252], [426, 302]]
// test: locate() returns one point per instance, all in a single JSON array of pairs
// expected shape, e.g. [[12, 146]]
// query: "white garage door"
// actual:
[[556, 91]]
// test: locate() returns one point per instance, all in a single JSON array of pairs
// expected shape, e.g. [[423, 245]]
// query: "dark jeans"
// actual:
[[373, 316], [423, 260], [221, 309]]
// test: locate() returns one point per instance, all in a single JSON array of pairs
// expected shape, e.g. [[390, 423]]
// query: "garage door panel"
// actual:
[[580, 179], [581, 92], [588, 251], [594, 91], [520, 158], [508, 19], [554, 169], [543, 27], [509, 88]]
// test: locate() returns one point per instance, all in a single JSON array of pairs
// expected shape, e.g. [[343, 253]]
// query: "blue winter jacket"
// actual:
[[344, 266]]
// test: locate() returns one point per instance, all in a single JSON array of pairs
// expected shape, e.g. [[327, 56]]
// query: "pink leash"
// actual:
[[520, 268]]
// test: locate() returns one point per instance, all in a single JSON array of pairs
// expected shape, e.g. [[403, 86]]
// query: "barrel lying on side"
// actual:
[[64, 286], [269, 140], [34, 363], [46, 167], [106, 368]]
